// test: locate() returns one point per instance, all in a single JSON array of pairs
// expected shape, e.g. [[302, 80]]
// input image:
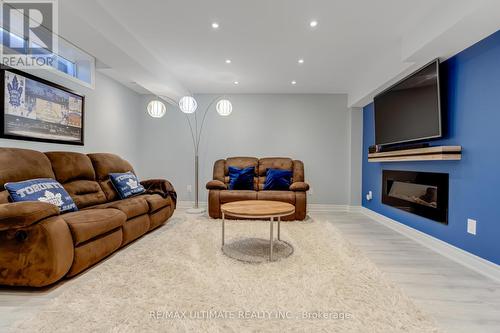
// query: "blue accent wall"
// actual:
[[471, 96]]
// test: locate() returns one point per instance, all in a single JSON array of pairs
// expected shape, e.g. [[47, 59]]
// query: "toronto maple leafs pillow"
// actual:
[[44, 190], [126, 184]]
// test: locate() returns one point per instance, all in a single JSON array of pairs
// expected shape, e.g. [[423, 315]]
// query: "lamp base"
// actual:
[[195, 211]]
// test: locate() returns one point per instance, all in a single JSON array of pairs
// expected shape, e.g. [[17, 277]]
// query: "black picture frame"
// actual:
[[6, 135]]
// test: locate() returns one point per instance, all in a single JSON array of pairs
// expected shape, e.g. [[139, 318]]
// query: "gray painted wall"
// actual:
[[355, 149], [318, 129], [313, 128], [111, 115]]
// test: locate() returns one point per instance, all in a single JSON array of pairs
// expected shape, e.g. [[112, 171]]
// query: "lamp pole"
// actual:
[[188, 105], [196, 137]]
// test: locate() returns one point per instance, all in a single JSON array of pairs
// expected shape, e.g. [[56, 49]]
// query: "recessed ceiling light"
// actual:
[[300, 61], [236, 82], [228, 61], [294, 82], [313, 24], [215, 25]]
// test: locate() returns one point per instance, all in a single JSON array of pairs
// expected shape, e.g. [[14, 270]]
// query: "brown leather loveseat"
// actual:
[[39, 246], [220, 194]]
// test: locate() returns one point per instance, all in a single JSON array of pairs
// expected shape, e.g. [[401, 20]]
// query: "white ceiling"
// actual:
[[358, 47]]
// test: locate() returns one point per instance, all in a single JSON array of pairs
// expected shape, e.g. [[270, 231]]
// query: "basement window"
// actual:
[[70, 61]]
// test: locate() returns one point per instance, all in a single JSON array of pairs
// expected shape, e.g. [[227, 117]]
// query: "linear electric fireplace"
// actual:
[[421, 193]]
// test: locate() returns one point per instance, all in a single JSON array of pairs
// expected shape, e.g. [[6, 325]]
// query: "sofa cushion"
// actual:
[[283, 196], [87, 224], [132, 207], [85, 193], [135, 228], [230, 196], [277, 180], [22, 164], [126, 184], [156, 201], [241, 179], [89, 253], [281, 163], [104, 164], [76, 172], [240, 163], [160, 217], [69, 166], [43, 190]]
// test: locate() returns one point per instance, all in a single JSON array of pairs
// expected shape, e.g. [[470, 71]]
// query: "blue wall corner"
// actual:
[[471, 94]]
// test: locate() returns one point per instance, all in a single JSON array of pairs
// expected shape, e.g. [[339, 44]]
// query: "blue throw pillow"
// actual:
[[44, 190], [241, 179], [278, 180], [126, 184]]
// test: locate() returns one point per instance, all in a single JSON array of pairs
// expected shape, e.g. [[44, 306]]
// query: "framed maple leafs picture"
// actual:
[[35, 109]]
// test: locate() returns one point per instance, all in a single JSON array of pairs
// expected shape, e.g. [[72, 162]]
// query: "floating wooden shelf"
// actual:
[[438, 153]]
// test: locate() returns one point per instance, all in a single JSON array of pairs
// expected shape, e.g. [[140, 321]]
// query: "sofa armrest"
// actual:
[[216, 185], [160, 186], [23, 214], [299, 187]]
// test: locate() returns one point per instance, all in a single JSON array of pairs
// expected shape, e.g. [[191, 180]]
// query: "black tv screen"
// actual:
[[410, 110]]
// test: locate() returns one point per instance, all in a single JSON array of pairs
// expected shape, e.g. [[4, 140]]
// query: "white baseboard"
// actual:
[[480, 265], [318, 208], [355, 209], [326, 208], [184, 204]]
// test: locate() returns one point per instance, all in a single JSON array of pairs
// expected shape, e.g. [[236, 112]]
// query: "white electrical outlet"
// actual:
[[471, 226], [189, 188], [311, 191], [369, 196]]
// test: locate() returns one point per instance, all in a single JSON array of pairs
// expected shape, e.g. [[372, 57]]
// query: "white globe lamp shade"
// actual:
[[156, 109], [224, 107], [188, 104]]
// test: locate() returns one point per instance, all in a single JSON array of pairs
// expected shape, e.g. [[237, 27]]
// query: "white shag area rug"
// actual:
[[256, 250], [176, 279]]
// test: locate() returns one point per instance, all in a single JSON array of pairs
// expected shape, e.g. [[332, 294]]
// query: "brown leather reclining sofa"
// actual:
[[220, 194], [39, 246]]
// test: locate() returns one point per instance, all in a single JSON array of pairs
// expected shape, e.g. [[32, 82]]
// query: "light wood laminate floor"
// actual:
[[459, 299]]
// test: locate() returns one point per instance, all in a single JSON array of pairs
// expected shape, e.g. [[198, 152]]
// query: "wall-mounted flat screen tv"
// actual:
[[410, 110]]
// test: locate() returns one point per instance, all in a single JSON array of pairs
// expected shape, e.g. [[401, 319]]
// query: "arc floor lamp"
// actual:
[[188, 105]]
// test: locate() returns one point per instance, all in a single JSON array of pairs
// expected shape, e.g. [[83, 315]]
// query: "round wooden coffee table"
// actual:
[[258, 209]]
